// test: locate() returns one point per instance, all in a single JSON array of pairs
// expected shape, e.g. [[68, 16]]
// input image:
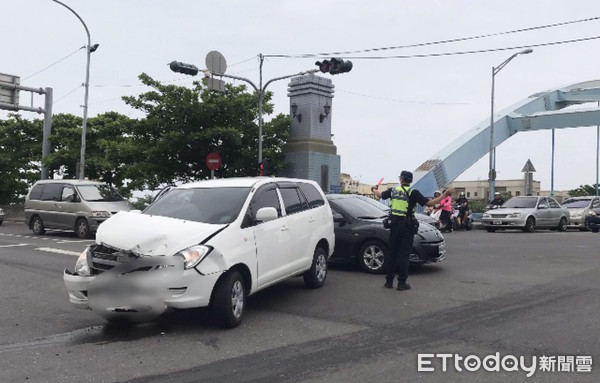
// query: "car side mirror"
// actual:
[[265, 214], [337, 217]]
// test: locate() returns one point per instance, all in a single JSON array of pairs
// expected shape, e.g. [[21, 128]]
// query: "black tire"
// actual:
[[229, 300], [595, 230], [490, 229], [371, 256], [1, 223], [316, 275], [82, 229], [529, 225], [562, 225], [585, 226], [37, 225]]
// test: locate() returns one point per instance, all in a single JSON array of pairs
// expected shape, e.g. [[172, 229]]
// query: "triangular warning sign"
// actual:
[[528, 168]]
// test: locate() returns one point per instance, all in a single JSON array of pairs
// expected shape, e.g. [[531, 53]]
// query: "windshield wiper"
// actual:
[[368, 217]]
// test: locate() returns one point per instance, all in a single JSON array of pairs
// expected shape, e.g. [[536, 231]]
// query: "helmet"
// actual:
[[437, 192], [462, 193], [496, 193]]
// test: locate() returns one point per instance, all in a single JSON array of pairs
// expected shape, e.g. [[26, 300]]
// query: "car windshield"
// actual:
[[359, 208], [375, 203], [520, 202], [207, 205], [99, 192], [576, 203]]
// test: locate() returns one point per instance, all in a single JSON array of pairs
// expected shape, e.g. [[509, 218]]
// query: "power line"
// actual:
[[309, 55], [53, 64], [68, 94], [456, 53]]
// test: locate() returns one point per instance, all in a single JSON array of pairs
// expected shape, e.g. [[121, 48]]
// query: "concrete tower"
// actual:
[[310, 153]]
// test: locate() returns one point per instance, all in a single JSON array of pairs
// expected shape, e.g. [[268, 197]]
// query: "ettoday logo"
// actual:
[[472, 363]]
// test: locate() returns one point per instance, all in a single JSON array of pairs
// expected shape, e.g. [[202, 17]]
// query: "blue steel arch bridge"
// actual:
[[540, 111]]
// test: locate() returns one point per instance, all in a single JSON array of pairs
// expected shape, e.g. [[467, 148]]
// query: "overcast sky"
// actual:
[[387, 115]]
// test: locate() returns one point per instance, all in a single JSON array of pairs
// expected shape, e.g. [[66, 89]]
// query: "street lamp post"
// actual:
[[492, 171], [89, 50]]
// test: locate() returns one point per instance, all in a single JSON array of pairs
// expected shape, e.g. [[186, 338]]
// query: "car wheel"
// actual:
[[229, 300], [595, 230], [562, 225], [1, 223], [585, 226], [316, 275], [490, 229], [82, 228], [371, 256], [37, 226], [529, 225]]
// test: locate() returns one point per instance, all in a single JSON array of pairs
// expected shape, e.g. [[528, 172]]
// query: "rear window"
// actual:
[[215, 206], [313, 196]]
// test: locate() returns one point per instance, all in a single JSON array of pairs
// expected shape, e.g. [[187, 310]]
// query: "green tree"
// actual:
[[583, 190], [183, 125], [20, 154]]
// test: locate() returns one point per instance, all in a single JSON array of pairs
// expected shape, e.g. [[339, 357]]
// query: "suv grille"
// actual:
[[105, 258]]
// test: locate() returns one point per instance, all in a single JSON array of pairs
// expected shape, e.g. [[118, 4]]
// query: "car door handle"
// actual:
[[311, 219], [284, 228]]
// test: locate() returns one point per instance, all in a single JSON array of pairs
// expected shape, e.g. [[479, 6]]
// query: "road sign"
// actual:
[[8, 95], [213, 161], [215, 84], [215, 62]]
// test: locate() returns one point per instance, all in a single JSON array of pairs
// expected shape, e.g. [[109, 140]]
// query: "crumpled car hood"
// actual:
[[152, 235]]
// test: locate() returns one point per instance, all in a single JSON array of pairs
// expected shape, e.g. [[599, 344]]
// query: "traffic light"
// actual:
[[340, 66], [324, 66], [184, 68], [334, 66]]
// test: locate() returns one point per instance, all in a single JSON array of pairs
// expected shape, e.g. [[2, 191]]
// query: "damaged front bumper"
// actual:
[[141, 288]]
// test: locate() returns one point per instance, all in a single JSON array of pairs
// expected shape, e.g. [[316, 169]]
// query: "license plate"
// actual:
[[497, 222]]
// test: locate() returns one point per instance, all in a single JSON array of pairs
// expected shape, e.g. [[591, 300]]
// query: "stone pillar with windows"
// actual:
[[310, 152]]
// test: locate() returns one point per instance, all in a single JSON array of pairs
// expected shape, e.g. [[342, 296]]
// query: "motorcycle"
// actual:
[[457, 222]]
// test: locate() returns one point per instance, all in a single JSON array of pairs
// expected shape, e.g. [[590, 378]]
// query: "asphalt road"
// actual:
[[511, 293]]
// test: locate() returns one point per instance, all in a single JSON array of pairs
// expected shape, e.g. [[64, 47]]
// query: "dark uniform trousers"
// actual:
[[401, 243]]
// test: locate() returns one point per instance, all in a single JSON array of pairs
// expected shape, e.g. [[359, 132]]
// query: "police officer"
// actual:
[[497, 201], [404, 200]]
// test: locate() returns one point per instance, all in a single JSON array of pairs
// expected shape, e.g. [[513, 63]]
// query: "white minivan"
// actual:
[[205, 243]]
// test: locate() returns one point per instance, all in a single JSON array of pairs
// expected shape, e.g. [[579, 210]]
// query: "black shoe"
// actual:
[[388, 285], [403, 286]]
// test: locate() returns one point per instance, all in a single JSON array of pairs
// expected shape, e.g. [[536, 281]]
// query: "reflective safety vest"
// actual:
[[399, 203]]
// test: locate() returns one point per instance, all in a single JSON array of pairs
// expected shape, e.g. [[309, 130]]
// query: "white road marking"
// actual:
[[75, 241], [59, 251], [15, 245]]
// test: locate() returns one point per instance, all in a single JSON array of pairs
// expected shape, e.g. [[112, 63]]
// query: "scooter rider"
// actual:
[[497, 201], [463, 208], [402, 208]]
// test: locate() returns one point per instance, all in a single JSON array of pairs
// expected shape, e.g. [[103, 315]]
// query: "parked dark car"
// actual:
[[361, 238], [592, 220]]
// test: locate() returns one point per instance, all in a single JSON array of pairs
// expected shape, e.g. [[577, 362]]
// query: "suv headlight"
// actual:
[[591, 212], [81, 266], [100, 214], [194, 255]]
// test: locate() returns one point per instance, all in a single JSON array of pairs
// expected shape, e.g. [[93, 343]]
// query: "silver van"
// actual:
[[78, 205]]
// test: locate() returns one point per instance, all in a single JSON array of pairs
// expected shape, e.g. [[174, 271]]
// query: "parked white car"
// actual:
[[527, 213], [205, 243], [579, 208]]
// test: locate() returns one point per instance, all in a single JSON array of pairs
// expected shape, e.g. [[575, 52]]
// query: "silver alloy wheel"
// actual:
[[321, 267], [373, 257], [37, 225], [237, 299]]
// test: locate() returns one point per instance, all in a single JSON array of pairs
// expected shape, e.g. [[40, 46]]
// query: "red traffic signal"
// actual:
[[334, 66]]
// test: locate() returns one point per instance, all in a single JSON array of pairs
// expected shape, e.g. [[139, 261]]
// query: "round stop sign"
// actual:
[[213, 161]]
